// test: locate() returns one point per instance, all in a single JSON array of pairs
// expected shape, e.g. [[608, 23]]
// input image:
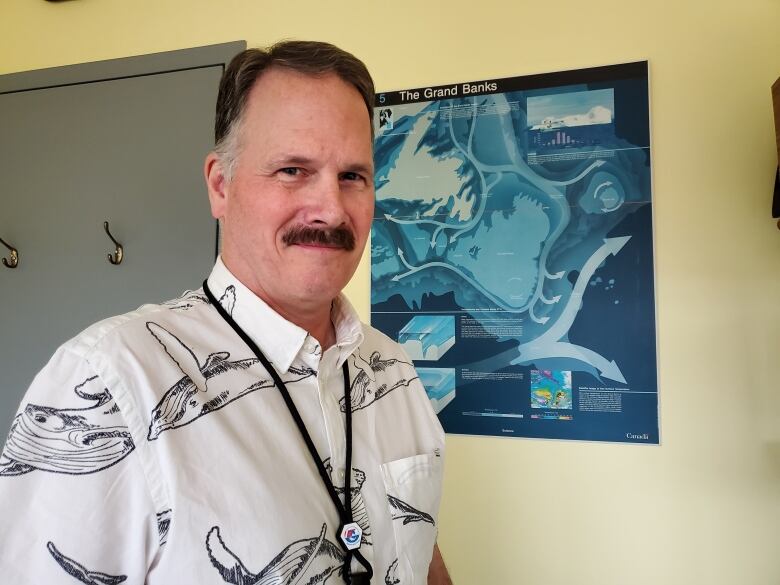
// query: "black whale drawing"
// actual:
[[407, 513], [193, 298], [80, 572], [359, 510], [74, 441], [376, 378], [304, 562], [206, 385]]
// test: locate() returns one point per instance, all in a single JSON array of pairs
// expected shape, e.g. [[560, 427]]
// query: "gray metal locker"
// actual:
[[121, 141]]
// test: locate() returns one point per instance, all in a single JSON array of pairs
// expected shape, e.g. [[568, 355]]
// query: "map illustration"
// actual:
[[519, 210]]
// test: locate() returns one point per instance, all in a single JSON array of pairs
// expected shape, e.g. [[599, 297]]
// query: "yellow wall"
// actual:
[[705, 506]]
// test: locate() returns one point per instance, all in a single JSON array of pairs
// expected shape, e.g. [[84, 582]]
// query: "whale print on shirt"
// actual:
[[306, 562], [79, 572], [206, 385], [359, 510], [73, 441], [403, 511], [193, 298], [164, 525], [391, 577], [190, 299], [376, 378], [228, 299]]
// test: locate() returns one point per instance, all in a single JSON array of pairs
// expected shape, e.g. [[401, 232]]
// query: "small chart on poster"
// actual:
[[512, 252]]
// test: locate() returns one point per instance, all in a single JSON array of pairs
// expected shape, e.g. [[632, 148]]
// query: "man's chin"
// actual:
[[323, 283], [320, 296]]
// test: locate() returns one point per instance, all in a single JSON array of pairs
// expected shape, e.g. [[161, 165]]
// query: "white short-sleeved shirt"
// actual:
[[154, 448]]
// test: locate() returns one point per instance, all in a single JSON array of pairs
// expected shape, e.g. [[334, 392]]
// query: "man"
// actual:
[[253, 431]]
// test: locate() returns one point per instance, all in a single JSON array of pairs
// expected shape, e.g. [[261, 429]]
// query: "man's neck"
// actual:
[[318, 323], [316, 320]]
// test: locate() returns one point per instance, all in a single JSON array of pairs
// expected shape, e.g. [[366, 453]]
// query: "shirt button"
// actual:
[[341, 473]]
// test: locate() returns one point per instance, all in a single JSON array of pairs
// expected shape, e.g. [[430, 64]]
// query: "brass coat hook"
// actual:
[[13, 262], [116, 257]]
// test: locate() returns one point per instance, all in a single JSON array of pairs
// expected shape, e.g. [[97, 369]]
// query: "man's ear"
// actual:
[[217, 184]]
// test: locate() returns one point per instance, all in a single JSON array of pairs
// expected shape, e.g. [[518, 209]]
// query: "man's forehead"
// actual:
[[301, 119], [298, 96], [277, 79]]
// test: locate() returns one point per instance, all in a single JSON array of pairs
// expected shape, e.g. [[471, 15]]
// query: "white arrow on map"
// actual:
[[564, 322], [601, 186], [548, 345], [500, 302], [416, 221], [534, 351]]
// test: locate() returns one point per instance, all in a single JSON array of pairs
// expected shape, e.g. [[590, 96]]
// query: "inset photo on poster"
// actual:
[[385, 119], [551, 389], [571, 123]]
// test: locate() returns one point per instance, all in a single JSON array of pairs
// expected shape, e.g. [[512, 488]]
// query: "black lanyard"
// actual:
[[344, 510]]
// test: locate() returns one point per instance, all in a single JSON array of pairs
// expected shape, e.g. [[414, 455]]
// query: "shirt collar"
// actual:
[[278, 338]]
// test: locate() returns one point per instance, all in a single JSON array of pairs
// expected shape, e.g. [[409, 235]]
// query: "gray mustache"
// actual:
[[339, 237]]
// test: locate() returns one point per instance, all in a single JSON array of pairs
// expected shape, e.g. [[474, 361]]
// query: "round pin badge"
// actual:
[[351, 535]]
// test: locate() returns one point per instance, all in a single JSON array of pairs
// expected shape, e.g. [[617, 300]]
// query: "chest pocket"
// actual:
[[413, 486]]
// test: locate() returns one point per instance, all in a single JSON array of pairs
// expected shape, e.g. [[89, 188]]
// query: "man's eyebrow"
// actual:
[[360, 168], [290, 159]]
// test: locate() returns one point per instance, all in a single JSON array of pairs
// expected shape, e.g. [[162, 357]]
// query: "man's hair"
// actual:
[[308, 57]]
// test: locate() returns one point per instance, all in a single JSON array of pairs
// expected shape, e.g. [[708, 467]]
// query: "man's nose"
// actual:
[[326, 203]]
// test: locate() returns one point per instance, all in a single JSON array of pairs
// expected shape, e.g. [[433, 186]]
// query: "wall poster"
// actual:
[[512, 252]]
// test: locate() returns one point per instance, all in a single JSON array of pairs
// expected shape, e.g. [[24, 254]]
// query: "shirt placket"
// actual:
[[331, 390]]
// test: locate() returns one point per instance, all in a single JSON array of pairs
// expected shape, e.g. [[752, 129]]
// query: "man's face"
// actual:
[[304, 169]]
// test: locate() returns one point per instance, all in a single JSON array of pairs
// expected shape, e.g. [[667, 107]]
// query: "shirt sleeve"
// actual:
[[74, 501]]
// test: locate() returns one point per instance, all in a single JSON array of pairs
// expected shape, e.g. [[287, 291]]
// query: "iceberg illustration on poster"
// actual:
[[428, 337], [439, 385]]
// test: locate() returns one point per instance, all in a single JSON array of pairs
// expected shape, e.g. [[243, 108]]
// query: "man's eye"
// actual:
[[350, 176], [291, 171]]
